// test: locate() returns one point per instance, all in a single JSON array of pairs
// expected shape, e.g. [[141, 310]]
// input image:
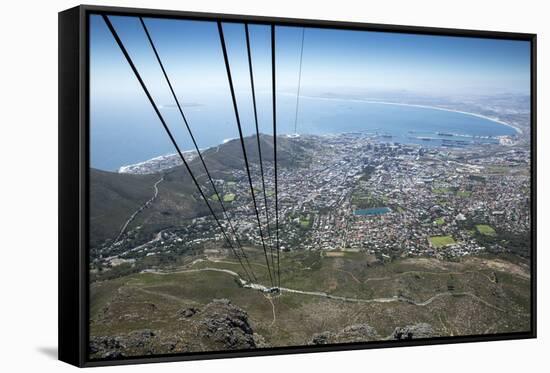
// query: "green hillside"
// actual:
[[114, 197]]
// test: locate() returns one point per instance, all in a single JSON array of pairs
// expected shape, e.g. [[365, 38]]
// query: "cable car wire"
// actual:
[[226, 215], [258, 138], [299, 80], [274, 103], [236, 110], [172, 139]]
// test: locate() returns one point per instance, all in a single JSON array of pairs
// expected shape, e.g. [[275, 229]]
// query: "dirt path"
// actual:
[[350, 274], [140, 209], [235, 263], [273, 308], [427, 273], [321, 294]]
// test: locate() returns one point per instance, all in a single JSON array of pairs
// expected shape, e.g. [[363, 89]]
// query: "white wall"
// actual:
[[28, 183]]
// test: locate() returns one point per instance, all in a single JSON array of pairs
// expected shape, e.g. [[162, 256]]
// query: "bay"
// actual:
[[125, 134]]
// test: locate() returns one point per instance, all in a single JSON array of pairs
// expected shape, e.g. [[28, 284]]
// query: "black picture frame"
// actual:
[[74, 182]]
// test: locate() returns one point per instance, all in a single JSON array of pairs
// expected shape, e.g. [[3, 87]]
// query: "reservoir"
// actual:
[[372, 211]]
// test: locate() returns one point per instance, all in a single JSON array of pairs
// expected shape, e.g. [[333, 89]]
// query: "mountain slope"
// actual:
[[114, 197]]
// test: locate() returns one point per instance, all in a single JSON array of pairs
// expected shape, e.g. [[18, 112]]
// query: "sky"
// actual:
[[333, 60], [336, 62]]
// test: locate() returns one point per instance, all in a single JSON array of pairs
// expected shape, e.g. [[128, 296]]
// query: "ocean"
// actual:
[[122, 135]]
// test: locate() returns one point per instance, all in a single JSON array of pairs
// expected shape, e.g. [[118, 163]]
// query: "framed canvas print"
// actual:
[[238, 186]]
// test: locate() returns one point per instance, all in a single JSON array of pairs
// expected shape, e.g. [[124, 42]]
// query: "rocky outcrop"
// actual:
[[226, 325], [366, 333], [142, 342], [350, 334], [220, 325], [421, 330], [188, 312]]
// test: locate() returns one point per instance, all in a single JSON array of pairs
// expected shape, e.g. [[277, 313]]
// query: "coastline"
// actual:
[[366, 101], [129, 167]]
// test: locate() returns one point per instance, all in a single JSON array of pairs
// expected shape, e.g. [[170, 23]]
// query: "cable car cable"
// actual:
[[258, 138], [226, 215], [238, 120], [168, 132]]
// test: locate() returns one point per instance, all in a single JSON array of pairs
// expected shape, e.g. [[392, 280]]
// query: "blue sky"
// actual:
[[338, 61]]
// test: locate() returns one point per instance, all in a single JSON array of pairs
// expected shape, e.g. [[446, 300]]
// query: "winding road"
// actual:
[[265, 289]]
